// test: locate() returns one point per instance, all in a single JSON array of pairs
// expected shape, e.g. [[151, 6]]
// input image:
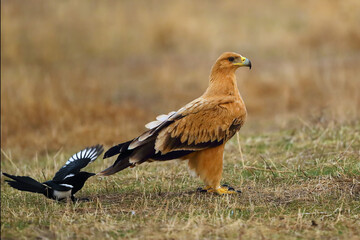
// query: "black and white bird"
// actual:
[[66, 182]]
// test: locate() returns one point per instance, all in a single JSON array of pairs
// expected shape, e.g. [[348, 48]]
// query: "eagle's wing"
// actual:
[[201, 124], [78, 161], [207, 123]]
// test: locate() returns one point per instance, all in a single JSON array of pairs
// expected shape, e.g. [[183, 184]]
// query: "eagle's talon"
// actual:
[[224, 189], [205, 189], [228, 187]]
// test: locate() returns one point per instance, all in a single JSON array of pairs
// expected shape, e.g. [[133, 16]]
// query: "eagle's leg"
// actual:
[[208, 165]]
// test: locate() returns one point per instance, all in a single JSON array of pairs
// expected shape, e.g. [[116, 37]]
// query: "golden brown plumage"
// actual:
[[197, 132]]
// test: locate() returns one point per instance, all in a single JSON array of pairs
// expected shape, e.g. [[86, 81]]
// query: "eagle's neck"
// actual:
[[222, 82]]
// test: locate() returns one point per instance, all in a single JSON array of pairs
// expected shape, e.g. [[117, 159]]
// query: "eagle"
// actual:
[[196, 132]]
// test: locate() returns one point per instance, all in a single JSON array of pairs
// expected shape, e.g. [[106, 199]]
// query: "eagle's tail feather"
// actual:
[[120, 164], [122, 161], [122, 147]]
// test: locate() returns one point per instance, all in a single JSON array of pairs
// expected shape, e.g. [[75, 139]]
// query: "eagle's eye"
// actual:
[[231, 59]]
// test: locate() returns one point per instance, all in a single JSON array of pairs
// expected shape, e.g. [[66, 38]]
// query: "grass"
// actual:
[[301, 183]]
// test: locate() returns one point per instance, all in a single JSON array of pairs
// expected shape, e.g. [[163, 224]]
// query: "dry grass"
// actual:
[[77, 73], [296, 184]]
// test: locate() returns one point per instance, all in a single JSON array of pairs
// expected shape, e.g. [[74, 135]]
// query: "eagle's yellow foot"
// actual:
[[224, 189], [205, 189]]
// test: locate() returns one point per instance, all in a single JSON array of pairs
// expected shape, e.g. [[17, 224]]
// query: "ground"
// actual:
[[301, 183]]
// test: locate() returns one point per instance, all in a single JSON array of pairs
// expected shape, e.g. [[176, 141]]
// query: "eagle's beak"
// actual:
[[244, 62]]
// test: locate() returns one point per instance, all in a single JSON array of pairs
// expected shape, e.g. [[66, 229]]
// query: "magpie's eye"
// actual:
[[231, 59]]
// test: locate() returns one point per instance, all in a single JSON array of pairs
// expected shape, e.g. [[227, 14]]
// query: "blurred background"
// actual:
[[76, 73]]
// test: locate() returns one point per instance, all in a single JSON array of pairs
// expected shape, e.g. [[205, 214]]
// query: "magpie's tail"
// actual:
[[27, 184]]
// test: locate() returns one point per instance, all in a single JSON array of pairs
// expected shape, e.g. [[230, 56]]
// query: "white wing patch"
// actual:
[[159, 119], [70, 175], [162, 117], [66, 185], [69, 161], [152, 126], [86, 153]]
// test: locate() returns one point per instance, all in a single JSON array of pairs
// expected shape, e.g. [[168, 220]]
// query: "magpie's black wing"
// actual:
[[78, 161], [58, 187]]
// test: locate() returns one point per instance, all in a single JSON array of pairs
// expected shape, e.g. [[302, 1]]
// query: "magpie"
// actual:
[[66, 182]]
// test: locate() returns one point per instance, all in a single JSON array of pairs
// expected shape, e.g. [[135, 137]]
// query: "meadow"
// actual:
[[296, 184], [78, 73]]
